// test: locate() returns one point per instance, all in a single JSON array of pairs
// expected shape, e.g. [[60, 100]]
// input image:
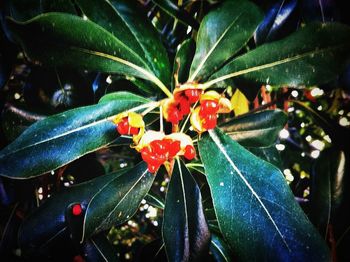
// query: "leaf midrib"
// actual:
[[221, 147], [200, 66], [67, 133], [269, 65], [122, 199], [251, 130], [46, 15], [132, 32]]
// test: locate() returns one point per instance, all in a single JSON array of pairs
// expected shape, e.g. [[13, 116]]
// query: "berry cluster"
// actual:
[[157, 148], [180, 105], [205, 116]]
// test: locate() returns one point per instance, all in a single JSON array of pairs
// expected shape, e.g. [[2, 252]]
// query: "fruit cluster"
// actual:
[[205, 116], [157, 149], [180, 105]]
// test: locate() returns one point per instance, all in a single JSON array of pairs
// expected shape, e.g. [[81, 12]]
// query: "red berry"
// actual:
[[151, 158], [209, 107], [190, 152], [146, 153], [123, 126], [158, 147], [174, 148], [210, 121], [152, 168], [77, 210], [133, 130], [174, 115], [193, 95], [184, 105]]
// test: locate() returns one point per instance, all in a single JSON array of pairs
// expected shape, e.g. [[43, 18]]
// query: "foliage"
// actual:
[[158, 125]]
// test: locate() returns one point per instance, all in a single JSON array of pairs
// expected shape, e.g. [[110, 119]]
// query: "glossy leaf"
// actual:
[[128, 24], [256, 130], [178, 13], [185, 230], [219, 249], [183, 59], [222, 33], [62, 138], [313, 55], [71, 41], [281, 20], [263, 215], [123, 190], [108, 207], [154, 200], [329, 190], [269, 154]]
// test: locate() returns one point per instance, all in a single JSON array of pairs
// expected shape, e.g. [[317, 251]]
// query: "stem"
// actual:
[[161, 118], [148, 105], [188, 117], [149, 109], [195, 164]]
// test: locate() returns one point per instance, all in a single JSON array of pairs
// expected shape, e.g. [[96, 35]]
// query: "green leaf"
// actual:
[[64, 40], [62, 138], [108, 206], [219, 249], [315, 54], [269, 154], [185, 230], [222, 33], [255, 207], [154, 200], [183, 59], [128, 24], [256, 130], [123, 192], [177, 13], [329, 190]]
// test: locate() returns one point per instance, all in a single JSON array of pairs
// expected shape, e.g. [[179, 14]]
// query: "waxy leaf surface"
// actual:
[[62, 138], [127, 23], [315, 54], [65, 40], [121, 192], [256, 130], [222, 33], [254, 206], [185, 230]]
